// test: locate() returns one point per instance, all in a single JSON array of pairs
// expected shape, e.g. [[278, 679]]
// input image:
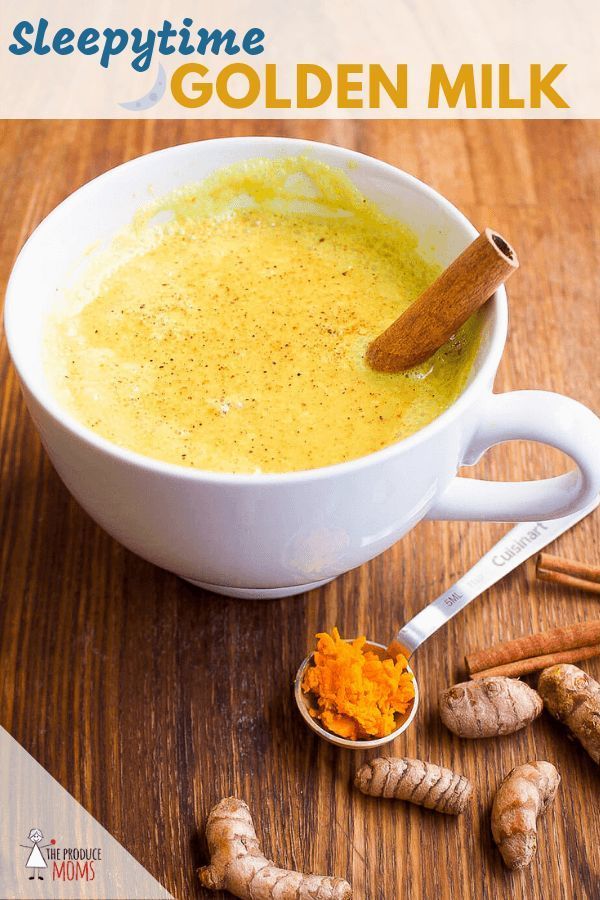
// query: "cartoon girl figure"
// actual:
[[36, 859]]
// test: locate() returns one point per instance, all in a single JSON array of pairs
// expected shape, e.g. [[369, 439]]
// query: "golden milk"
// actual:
[[226, 328]]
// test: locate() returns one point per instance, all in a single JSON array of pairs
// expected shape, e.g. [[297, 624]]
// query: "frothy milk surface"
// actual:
[[226, 328]]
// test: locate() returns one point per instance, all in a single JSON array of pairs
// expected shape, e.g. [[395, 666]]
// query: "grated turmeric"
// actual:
[[358, 693]]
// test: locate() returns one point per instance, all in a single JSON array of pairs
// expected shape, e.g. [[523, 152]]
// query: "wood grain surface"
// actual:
[[153, 699]]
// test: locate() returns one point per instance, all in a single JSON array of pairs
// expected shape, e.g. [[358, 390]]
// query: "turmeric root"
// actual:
[[237, 863], [418, 782], [523, 796], [489, 707], [573, 697]]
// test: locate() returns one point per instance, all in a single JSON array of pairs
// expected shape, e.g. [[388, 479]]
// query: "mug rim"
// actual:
[[485, 373]]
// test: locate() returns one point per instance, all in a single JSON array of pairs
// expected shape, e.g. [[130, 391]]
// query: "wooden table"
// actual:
[[153, 699]]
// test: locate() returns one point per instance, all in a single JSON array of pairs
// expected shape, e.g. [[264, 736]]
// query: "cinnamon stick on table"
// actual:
[[568, 643], [560, 570], [537, 663]]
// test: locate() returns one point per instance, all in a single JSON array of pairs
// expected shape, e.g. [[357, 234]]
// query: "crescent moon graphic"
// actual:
[[152, 97]]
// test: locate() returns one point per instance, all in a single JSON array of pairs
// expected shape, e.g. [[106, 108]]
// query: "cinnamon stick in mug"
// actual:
[[444, 306]]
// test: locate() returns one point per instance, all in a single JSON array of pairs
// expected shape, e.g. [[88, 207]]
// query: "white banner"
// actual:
[[311, 59], [51, 847]]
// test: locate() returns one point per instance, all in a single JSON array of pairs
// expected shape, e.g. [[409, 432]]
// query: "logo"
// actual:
[[67, 863], [513, 549], [35, 860]]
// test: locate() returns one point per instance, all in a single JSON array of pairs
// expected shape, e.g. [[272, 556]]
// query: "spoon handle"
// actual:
[[521, 542]]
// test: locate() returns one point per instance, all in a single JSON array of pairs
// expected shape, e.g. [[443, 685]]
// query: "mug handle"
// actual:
[[536, 416]]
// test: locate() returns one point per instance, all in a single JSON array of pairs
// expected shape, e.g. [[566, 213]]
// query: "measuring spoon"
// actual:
[[523, 541]]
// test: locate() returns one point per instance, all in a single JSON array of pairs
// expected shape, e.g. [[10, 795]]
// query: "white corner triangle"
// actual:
[[51, 847]]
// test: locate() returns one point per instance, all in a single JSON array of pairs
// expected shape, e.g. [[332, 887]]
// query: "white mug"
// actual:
[[280, 534]]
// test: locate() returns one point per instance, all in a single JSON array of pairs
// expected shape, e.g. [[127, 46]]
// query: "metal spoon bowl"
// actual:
[[483, 575], [306, 702]]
